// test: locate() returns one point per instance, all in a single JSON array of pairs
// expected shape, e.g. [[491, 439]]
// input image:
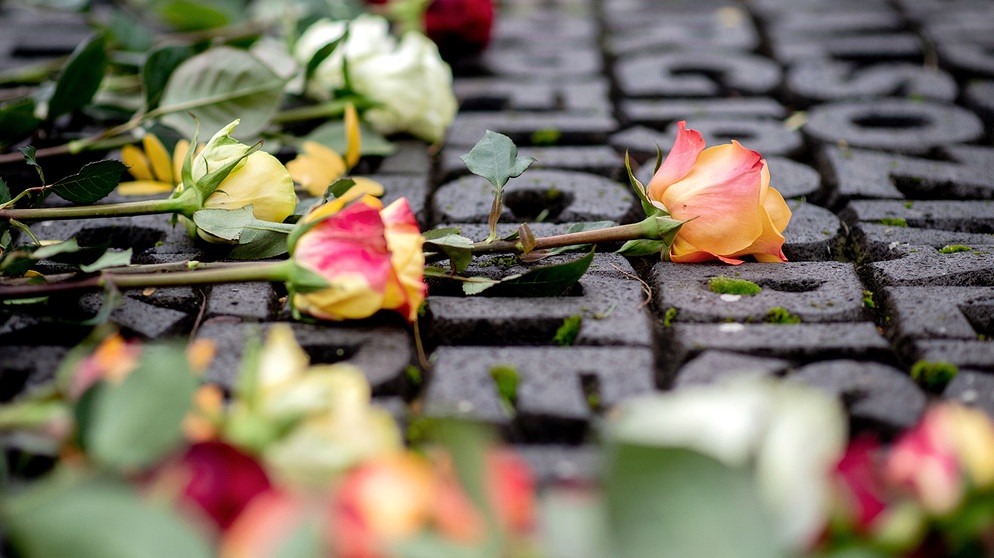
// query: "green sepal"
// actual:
[[642, 247], [209, 183], [642, 192], [303, 280]]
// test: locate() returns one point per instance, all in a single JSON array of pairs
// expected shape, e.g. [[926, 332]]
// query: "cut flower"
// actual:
[[407, 81], [724, 195], [370, 256]]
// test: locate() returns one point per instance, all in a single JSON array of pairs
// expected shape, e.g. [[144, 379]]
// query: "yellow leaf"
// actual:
[[353, 136]]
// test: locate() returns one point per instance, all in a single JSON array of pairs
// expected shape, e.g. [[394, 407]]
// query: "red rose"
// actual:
[[460, 28]]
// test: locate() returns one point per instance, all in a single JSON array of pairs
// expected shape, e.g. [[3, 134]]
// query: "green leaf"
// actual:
[[17, 120], [29, 157], [332, 135], [4, 192], [339, 187], [137, 422], [551, 280], [220, 85], [667, 502], [65, 247], [128, 33], [92, 183], [458, 248], [189, 15], [160, 64], [643, 247], [224, 223], [476, 285], [108, 259], [495, 158], [80, 78], [96, 518], [572, 526], [257, 244]]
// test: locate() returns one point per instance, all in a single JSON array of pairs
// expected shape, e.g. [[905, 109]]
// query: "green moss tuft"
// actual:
[[566, 334], [893, 222], [933, 376], [780, 315], [669, 317], [727, 285], [953, 248], [506, 378]]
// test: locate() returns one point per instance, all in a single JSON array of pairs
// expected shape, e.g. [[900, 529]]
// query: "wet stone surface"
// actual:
[[880, 143]]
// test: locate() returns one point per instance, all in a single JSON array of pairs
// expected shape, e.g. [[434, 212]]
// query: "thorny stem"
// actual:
[[185, 204], [232, 273]]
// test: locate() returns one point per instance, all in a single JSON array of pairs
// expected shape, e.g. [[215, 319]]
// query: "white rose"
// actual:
[[791, 435], [409, 80]]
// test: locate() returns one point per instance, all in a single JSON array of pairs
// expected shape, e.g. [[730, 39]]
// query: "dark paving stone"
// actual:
[[878, 397], [610, 301], [897, 125], [382, 351], [571, 128], [814, 234], [556, 392], [831, 80], [869, 47], [713, 365], [812, 291], [856, 173], [696, 74], [980, 97], [136, 318], [412, 187], [973, 389], [543, 57], [561, 464], [411, 159], [796, 342], [570, 196], [652, 29], [185, 299], [27, 366], [659, 113], [926, 266], [769, 137], [248, 301], [976, 354], [593, 159], [493, 94], [931, 312]]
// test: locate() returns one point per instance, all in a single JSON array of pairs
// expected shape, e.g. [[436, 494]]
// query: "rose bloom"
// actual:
[[947, 452], [214, 478], [370, 257], [724, 194], [407, 79], [260, 180], [460, 28]]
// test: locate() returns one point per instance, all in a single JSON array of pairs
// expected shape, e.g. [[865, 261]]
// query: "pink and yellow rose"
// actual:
[[369, 255], [724, 195]]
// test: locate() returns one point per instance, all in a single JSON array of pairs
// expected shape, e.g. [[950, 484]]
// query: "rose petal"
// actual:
[[720, 200], [162, 166], [679, 161]]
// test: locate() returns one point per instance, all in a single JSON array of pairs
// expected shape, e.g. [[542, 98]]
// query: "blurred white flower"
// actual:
[[789, 434], [407, 78]]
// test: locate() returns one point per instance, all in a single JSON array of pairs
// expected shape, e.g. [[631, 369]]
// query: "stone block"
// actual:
[[413, 187], [248, 301], [884, 229], [559, 390], [813, 234], [610, 301], [696, 74], [814, 292], [649, 28], [713, 365], [820, 80], [594, 159], [975, 355], [568, 197], [926, 266], [381, 349], [544, 57], [903, 126], [878, 397], [796, 342], [769, 137], [974, 389], [494, 94], [28, 366], [980, 97], [940, 313], [658, 113], [571, 128], [964, 173], [137, 318], [411, 159]]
